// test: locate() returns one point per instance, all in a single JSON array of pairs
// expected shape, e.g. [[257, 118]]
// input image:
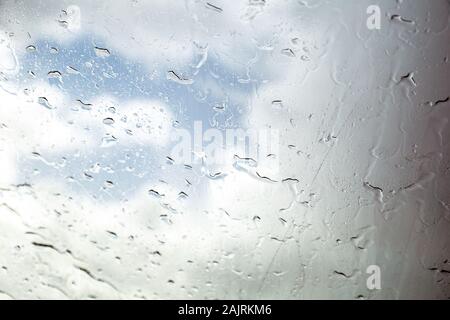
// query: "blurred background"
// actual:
[[94, 206]]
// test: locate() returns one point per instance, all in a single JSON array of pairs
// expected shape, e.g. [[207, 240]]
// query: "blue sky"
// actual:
[[125, 80]]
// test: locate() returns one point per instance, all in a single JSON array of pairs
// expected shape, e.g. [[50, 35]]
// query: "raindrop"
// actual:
[[102, 52], [108, 140], [305, 58], [399, 18], [264, 177], [155, 193], [109, 184], [169, 160], [219, 107], [85, 106], [277, 104], [288, 52], [216, 175], [182, 195], [239, 161], [88, 176], [54, 74], [63, 23], [108, 121], [295, 41], [213, 7], [31, 48], [44, 102], [72, 70], [171, 75], [378, 191], [409, 78]]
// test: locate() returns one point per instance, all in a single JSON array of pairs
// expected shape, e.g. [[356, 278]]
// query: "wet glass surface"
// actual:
[[247, 149]]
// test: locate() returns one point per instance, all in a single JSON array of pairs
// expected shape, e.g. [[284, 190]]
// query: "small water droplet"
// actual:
[[44, 102], [31, 48], [84, 105], [182, 195], [169, 160], [102, 52], [72, 70], [108, 140], [109, 184], [54, 74], [288, 52], [171, 75], [213, 7], [155, 193], [108, 121], [277, 104], [305, 58]]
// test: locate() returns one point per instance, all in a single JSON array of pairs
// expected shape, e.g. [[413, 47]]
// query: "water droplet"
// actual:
[[108, 140], [102, 52], [54, 74], [155, 193], [170, 160], [171, 75], [278, 104], [85, 106], [182, 195], [213, 7], [288, 52], [109, 184], [44, 102], [108, 121], [72, 70], [30, 48], [399, 18]]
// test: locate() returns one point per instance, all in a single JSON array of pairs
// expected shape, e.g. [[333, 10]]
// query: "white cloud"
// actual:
[[33, 123], [8, 60]]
